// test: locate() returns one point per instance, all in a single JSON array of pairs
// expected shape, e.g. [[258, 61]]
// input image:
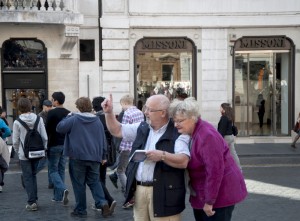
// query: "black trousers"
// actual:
[[222, 214], [261, 118], [102, 177]]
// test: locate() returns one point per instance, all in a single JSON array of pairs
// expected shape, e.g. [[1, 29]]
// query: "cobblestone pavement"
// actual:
[[273, 184]]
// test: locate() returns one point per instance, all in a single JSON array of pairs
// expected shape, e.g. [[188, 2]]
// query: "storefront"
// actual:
[[24, 74], [263, 75], [164, 65]]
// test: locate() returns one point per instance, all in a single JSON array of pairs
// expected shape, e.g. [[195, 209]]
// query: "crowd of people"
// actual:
[[181, 151]]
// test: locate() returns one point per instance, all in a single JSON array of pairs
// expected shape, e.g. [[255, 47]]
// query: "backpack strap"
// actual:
[[26, 126], [23, 124], [36, 122]]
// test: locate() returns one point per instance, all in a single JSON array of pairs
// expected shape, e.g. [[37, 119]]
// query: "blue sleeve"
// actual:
[[65, 125], [6, 132]]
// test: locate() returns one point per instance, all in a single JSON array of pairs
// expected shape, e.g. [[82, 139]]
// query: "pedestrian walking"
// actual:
[[131, 115], [116, 142], [110, 149], [297, 131], [47, 105], [85, 145], [4, 161], [29, 166], [225, 129], [56, 158]]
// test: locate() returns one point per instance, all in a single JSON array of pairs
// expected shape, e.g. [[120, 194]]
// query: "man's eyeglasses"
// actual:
[[147, 109], [178, 122]]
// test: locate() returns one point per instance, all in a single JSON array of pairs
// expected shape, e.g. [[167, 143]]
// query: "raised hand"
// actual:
[[107, 104]]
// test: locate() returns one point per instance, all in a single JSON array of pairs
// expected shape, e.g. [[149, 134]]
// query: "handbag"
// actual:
[[296, 127]]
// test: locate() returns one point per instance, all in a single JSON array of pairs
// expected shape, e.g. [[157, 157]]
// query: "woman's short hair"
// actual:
[[24, 105], [84, 104], [188, 107]]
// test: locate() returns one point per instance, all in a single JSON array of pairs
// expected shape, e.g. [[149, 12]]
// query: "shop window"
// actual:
[[164, 66], [262, 85]]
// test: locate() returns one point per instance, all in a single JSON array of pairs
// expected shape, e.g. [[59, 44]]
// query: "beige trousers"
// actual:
[[143, 206]]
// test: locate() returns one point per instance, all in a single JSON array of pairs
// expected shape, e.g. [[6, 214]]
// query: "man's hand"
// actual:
[[154, 155], [208, 210], [107, 105]]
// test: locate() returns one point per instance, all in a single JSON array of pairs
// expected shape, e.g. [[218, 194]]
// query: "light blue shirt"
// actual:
[[146, 169]]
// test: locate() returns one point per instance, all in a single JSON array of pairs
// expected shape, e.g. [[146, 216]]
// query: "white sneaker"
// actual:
[[32, 207], [112, 207], [65, 199], [96, 208]]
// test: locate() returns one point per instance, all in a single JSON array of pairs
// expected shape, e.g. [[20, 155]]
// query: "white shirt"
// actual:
[[146, 169]]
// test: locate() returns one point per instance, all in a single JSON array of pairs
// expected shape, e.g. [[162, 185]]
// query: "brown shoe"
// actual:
[[105, 210]]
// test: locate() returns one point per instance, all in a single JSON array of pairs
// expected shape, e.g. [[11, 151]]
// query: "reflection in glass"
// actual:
[[23, 54], [164, 73]]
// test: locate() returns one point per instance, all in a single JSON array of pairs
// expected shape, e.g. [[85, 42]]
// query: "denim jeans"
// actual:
[[222, 214], [29, 171], [82, 173], [56, 165], [121, 169], [42, 164]]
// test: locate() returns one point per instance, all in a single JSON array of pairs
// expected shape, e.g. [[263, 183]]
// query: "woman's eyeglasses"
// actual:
[[179, 122]]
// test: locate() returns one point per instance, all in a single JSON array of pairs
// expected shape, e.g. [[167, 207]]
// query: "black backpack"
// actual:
[[33, 144]]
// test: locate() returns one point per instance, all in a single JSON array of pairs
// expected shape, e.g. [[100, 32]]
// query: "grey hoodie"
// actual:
[[19, 132]]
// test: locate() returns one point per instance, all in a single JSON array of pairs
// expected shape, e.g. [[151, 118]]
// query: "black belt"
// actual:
[[146, 183]]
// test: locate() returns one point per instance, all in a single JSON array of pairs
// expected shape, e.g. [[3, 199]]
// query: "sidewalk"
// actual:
[[267, 149], [249, 150]]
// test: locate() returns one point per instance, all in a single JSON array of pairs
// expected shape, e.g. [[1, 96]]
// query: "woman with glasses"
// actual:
[[216, 182]]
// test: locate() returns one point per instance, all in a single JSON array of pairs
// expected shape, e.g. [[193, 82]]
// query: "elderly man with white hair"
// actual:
[[157, 183]]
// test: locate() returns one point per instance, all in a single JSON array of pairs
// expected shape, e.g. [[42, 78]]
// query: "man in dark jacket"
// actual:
[[111, 152], [158, 187]]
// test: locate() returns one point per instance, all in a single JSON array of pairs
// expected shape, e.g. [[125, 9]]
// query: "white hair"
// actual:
[[188, 107]]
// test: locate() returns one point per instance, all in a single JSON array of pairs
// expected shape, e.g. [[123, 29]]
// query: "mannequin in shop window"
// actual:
[[260, 104]]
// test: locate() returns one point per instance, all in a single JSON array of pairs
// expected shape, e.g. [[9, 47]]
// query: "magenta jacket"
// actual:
[[214, 176]]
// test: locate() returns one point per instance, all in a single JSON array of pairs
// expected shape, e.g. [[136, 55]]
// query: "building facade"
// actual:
[[241, 52]]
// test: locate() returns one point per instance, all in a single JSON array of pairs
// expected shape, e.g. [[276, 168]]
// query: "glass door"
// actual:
[[36, 96], [261, 93]]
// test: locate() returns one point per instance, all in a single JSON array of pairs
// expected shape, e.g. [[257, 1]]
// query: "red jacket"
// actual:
[[214, 176]]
